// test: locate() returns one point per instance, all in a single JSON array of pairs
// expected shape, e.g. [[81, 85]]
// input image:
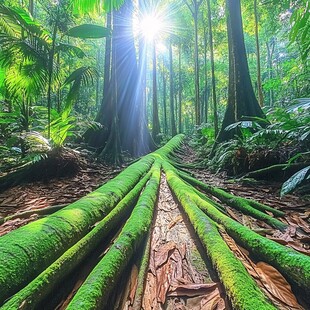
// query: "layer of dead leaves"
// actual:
[[269, 279], [178, 277], [61, 191]]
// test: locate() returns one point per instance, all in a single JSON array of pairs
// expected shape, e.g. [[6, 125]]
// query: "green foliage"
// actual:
[[296, 180], [300, 31], [88, 31], [286, 135]]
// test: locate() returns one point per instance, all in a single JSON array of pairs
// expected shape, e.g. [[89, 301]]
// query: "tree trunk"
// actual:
[[127, 92], [216, 126], [270, 51], [98, 138], [31, 7], [172, 118], [259, 77], [155, 122], [242, 103], [165, 101], [206, 91], [197, 91], [180, 88]]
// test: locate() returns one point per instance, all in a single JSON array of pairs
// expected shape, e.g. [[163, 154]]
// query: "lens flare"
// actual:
[[151, 26]]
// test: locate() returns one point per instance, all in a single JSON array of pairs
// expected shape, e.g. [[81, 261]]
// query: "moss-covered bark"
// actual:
[[246, 206], [37, 257], [240, 287], [38, 289], [292, 264], [96, 288], [27, 251], [137, 305]]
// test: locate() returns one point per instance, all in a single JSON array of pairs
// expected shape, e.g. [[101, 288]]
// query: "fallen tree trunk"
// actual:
[[38, 289], [94, 292], [27, 251]]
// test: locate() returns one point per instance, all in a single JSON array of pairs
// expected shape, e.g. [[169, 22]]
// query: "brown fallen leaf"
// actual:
[[163, 253], [276, 284], [192, 289], [213, 301], [175, 221], [133, 283]]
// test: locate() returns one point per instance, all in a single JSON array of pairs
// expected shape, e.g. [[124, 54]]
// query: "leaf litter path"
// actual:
[[178, 277], [62, 191]]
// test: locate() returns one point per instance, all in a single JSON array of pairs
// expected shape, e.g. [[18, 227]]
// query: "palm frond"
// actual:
[[81, 76], [70, 50], [88, 6]]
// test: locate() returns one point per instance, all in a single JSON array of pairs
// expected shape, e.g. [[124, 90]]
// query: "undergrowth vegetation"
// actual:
[[281, 141]]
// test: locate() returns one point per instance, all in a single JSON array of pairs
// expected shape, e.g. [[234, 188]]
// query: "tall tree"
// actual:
[[216, 127], [180, 87], [206, 91], [242, 102], [122, 110], [165, 124], [171, 77], [155, 119], [194, 6], [259, 77]]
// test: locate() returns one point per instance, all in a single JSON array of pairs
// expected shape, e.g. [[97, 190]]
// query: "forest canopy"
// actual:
[[124, 76]]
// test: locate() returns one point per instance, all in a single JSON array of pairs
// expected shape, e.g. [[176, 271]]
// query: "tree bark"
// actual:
[[215, 115], [259, 77], [155, 122], [242, 103], [180, 88], [172, 117]]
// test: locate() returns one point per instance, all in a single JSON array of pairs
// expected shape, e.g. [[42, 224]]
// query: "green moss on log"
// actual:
[[137, 305], [240, 287], [292, 264], [246, 206], [27, 251], [38, 289], [96, 288]]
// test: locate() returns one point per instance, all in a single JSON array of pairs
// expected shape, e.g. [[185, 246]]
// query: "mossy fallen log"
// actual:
[[95, 290], [292, 264], [38, 289], [246, 206], [242, 290], [27, 251]]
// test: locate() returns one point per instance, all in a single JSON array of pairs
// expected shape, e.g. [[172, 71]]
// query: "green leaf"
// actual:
[[88, 31], [86, 6], [70, 50], [295, 180]]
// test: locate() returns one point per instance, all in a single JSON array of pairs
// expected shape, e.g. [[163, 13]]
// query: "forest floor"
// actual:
[[179, 275]]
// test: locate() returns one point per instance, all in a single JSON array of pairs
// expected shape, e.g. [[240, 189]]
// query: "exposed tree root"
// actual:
[[28, 213], [31, 296], [280, 170], [244, 205], [34, 259], [94, 291]]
